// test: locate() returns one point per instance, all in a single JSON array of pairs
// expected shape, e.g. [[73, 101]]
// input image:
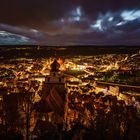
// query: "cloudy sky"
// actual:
[[70, 22]]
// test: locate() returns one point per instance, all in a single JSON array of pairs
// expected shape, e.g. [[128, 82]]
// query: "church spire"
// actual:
[[55, 66]]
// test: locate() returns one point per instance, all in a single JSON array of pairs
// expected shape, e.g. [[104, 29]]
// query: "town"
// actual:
[[70, 93]]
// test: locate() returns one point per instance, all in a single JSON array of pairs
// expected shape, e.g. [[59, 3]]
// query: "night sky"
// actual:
[[70, 22]]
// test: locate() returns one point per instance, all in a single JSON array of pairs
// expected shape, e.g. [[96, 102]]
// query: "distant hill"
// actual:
[[34, 51]]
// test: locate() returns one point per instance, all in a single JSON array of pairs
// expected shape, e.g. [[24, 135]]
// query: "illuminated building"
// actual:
[[51, 107]]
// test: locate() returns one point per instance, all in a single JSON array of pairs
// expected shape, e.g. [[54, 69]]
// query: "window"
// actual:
[[60, 80], [49, 79]]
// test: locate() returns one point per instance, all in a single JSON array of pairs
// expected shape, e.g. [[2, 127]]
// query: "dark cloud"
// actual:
[[32, 12], [36, 12], [7, 38], [130, 26], [54, 22], [96, 6]]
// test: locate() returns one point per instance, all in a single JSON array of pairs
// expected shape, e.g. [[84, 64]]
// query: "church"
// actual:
[[52, 106]]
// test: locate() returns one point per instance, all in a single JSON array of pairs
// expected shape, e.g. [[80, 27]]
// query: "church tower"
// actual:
[[53, 95], [55, 77]]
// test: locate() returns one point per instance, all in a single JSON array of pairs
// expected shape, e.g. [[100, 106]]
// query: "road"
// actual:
[[119, 85]]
